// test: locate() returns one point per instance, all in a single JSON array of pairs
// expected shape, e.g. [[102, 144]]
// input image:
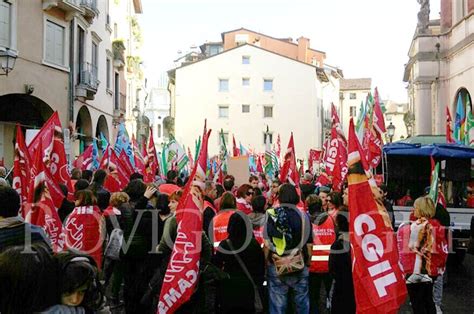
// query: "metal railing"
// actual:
[[88, 76], [91, 4]]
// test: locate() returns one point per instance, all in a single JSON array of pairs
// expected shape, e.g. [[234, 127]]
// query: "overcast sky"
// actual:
[[366, 38]]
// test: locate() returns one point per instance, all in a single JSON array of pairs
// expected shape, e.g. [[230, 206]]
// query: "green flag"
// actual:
[[434, 184], [223, 152], [469, 127]]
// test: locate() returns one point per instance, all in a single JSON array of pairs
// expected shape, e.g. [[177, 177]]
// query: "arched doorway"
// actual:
[[27, 110], [83, 129], [463, 111], [102, 127]]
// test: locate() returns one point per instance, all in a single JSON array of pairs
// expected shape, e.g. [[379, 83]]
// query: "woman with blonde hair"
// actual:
[[423, 253]]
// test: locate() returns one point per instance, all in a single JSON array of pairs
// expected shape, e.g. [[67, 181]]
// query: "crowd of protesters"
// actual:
[[266, 247]]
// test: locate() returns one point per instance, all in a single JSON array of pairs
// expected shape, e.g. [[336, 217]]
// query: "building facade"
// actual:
[[396, 114], [157, 110], [353, 93], [243, 91], [66, 61], [441, 66]]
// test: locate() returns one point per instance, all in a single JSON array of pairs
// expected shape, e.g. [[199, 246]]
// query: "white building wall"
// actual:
[[347, 103], [294, 100]]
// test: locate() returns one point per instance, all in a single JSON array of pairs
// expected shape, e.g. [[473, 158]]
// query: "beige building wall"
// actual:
[[350, 106], [436, 76], [50, 83]]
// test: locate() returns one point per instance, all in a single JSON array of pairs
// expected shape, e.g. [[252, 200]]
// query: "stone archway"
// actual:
[[83, 130], [463, 95], [102, 127], [29, 111]]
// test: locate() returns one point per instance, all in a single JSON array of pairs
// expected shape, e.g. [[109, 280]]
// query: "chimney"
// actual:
[[303, 46]]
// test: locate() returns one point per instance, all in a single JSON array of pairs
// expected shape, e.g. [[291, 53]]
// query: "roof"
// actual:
[[435, 150], [285, 40], [319, 71], [356, 84]]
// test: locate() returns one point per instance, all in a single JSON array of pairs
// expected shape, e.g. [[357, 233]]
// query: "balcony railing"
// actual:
[[70, 6], [88, 76], [90, 8]]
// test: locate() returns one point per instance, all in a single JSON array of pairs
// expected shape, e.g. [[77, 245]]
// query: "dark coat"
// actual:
[[340, 267]]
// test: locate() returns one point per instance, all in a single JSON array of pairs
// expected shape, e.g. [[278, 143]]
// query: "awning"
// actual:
[[436, 150]]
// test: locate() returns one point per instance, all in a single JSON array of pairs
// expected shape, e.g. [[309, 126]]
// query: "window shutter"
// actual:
[[59, 45], [5, 24], [49, 49]]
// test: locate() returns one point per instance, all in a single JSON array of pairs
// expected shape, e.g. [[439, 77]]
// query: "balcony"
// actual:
[[88, 82], [90, 8], [71, 7], [119, 53]]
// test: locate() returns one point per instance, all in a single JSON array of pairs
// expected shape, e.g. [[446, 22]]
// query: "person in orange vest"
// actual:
[[221, 220], [324, 236], [257, 217]]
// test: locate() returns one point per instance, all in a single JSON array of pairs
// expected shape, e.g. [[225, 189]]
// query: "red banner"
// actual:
[[84, 160], [183, 269], [379, 285], [314, 158], [43, 211], [21, 166], [151, 163], [288, 170], [235, 150], [46, 134]]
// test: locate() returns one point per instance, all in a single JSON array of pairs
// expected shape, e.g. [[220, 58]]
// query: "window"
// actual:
[[270, 138], [245, 81], [95, 56], [5, 23], [267, 111], [267, 85], [81, 35], [116, 91], [226, 138], [214, 49], [223, 85], [55, 44], [223, 111], [109, 72], [245, 60], [352, 111], [245, 108], [352, 96]]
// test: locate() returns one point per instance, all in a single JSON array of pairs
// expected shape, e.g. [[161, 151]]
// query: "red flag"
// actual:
[[125, 163], [85, 159], [379, 285], [151, 164], [288, 170], [278, 147], [51, 139], [21, 166], [117, 173], [46, 134], [235, 150], [378, 119], [43, 211], [182, 273], [138, 157], [104, 162], [190, 158], [449, 130], [336, 153], [314, 157]]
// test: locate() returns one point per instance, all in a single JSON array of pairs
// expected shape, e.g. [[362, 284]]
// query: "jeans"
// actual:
[[279, 286], [421, 297], [438, 290]]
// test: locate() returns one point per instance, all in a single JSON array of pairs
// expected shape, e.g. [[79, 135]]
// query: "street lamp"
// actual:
[[391, 131], [136, 115], [7, 61]]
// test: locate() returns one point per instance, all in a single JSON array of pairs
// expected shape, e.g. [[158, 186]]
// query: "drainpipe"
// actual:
[[72, 40]]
